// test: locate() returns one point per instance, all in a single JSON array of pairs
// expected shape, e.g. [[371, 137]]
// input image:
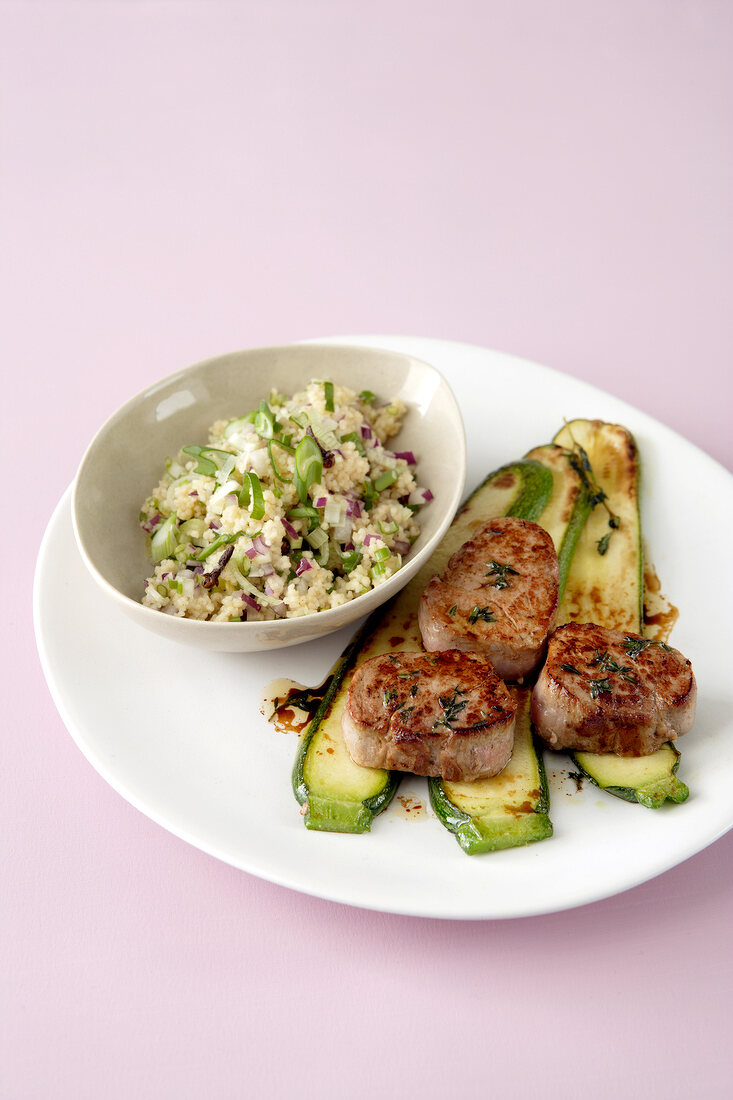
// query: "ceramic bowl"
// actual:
[[125, 458]]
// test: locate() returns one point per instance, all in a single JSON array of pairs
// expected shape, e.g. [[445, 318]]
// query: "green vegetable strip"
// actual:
[[308, 466]]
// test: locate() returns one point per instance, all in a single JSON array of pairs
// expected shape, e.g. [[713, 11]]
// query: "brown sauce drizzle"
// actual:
[[660, 615], [290, 706]]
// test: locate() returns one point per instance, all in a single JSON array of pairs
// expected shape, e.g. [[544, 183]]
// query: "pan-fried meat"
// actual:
[[603, 690], [442, 714], [498, 596]]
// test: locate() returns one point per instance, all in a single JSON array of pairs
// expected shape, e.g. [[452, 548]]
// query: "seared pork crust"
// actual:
[[498, 596], [604, 690], [442, 714]]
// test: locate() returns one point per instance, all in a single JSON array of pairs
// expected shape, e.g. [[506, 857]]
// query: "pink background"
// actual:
[[552, 179]]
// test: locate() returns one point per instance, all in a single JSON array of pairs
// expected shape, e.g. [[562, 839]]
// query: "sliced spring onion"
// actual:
[[369, 494], [165, 539], [308, 466], [208, 459], [385, 480], [381, 554], [264, 421], [334, 511], [226, 468], [352, 437], [389, 528], [284, 442], [318, 539], [250, 495], [378, 569], [222, 540], [328, 391], [235, 426], [367, 397], [301, 418], [306, 511], [276, 472], [324, 433], [350, 559], [192, 528], [203, 465]]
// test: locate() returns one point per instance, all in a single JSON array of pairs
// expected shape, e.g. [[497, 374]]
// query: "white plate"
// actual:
[[179, 734]]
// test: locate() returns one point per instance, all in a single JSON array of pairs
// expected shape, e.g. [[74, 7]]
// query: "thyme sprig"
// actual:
[[597, 686], [484, 613], [605, 662], [501, 570], [577, 456], [452, 707], [635, 646]]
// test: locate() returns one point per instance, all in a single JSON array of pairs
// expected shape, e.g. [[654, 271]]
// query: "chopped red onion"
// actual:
[[280, 610], [250, 601], [372, 538], [150, 524], [251, 552], [408, 456], [260, 545], [302, 567], [194, 493], [427, 495], [232, 498], [290, 530], [366, 431], [214, 525], [401, 546], [267, 569], [320, 503], [353, 508], [349, 546]]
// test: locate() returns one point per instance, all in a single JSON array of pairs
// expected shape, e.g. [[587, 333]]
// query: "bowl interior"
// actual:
[[125, 459]]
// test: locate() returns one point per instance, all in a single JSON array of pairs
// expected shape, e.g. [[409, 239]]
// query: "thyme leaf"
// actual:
[[570, 668]]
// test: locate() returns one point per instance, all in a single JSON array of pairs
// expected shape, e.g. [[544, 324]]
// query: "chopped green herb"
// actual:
[[413, 690], [328, 391], [606, 663], [452, 707], [501, 570], [570, 668], [367, 397], [453, 609], [598, 686], [484, 613], [405, 712], [602, 543], [635, 646], [389, 697]]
